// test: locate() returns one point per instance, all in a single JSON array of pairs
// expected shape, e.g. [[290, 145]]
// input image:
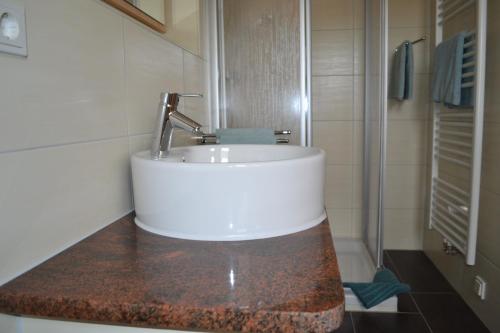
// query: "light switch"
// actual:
[[12, 28]]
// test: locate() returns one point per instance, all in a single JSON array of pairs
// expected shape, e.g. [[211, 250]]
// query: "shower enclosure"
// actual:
[[262, 52], [375, 126]]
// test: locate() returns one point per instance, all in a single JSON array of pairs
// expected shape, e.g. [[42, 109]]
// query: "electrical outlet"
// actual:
[[480, 287], [12, 28]]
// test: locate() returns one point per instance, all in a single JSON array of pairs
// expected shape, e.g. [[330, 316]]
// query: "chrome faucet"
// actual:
[[168, 119]]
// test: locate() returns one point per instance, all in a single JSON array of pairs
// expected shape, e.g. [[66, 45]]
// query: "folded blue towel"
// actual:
[[245, 136], [401, 84], [385, 285], [447, 76]]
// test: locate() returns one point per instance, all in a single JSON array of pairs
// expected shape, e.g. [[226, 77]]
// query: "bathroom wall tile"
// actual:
[[338, 188], [404, 187], [331, 14], [490, 177], [489, 227], [419, 107], [152, 66], [359, 52], [450, 266], [195, 70], [420, 51], [66, 196], [335, 137], [139, 143], [357, 192], [65, 91], [359, 97], [410, 13], [340, 222], [332, 52], [406, 142], [357, 223], [403, 229], [359, 14], [358, 141], [332, 98]]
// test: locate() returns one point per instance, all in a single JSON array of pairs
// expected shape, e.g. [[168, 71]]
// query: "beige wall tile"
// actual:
[[490, 177], [331, 14], [339, 186], [66, 196], [450, 266], [489, 226], [139, 143], [357, 192], [359, 52], [335, 137], [357, 223], [404, 187], [409, 13], [358, 142], [420, 51], [359, 14], [195, 74], [332, 98], [419, 107], [332, 52], [406, 142], [359, 97], [340, 222], [70, 87], [403, 229], [152, 66]]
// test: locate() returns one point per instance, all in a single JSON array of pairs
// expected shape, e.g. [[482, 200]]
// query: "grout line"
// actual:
[[421, 314], [433, 292], [393, 265], [60, 145], [352, 322]]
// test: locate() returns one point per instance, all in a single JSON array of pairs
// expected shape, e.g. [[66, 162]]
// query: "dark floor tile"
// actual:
[[346, 326], [418, 271], [369, 322], [406, 304], [448, 313]]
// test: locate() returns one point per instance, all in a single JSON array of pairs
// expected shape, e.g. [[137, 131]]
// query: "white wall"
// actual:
[[70, 115]]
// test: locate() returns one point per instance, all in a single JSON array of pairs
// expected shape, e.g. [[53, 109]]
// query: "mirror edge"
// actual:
[[137, 14]]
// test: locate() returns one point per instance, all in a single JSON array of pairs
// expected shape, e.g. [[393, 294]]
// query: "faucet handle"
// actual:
[[190, 95]]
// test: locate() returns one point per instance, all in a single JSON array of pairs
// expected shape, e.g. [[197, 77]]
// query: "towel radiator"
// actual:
[[458, 136]]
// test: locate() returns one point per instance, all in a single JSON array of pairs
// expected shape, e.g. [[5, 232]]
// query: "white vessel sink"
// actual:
[[229, 192]]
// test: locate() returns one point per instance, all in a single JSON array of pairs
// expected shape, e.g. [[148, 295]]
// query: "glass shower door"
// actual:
[[375, 126], [261, 68]]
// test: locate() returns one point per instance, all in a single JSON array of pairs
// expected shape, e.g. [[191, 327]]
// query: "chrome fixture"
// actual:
[[211, 138], [168, 119], [421, 39]]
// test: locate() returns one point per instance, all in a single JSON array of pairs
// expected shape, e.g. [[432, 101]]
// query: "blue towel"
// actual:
[[401, 84], [447, 76], [385, 285], [246, 136]]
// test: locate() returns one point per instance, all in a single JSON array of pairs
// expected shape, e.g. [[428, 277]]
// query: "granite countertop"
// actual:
[[124, 275]]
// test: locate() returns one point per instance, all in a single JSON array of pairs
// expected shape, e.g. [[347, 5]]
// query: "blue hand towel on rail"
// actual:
[[447, 77], [245, 136], [401, 84], [385, 285]]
